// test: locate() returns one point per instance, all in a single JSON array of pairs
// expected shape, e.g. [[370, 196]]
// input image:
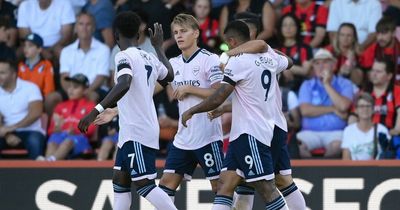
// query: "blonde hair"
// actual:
[[186, 20]]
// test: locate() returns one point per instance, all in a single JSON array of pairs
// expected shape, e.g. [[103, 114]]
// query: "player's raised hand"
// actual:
[[157, 37], [185, 117], [85, 122], [106, 116]]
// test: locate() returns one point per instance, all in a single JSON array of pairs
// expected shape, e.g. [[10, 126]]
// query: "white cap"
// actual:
[[323, 54]]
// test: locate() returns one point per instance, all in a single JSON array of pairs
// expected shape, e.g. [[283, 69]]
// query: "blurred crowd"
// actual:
[[341, 99]]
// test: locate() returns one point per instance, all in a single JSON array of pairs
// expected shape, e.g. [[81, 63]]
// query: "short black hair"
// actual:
[[386, 24], [7, 55], [127, 24], [238, 29], [249, 18], [390, 66]]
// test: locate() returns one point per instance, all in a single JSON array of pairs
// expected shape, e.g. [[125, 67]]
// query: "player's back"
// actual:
[[256, 93], [137, 115]]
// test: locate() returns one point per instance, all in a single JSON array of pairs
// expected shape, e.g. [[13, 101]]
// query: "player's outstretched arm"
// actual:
[[106, 116], [290, 60], [253, 46], [157, 40], [210, 103], [116, 93]]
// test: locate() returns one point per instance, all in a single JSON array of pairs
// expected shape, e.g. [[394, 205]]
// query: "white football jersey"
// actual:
[[256, 96], [137, 114], [200, 70]]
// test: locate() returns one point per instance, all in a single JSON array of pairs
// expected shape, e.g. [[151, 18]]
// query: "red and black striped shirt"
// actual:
[[385, 109]]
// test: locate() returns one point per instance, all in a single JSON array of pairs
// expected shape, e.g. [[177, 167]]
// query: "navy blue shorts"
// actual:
[[136, 159], [280, 153], [250, 158], [184, 162], [81, 142]]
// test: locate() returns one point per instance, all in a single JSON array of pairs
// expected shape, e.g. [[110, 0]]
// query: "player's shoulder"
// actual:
[[176, 59]]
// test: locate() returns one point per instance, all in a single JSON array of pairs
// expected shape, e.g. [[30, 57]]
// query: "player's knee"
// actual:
[[143, 182], [171, 181], [283, 181], [266, 189], [225, 187], [214, 185]]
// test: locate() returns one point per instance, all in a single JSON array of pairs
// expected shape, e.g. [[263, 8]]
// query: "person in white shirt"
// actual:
[[51, 19], [20, 108], [87, 56], [359, 138], [137, 74], [364, 14], [197, 75], [249, 155]]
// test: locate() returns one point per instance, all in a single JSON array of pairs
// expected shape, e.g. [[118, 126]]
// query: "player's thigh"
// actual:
[[210, 158], [180, 162]]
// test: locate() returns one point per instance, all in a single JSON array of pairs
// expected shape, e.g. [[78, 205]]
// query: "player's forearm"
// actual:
[[254, 46], [227, 107], [201, 92], [212, 102], [161, 56]]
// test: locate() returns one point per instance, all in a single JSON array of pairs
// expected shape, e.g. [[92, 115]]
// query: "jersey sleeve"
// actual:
[[122, 65], [282, 61], [233, 72], [213, 71], [161, 70]]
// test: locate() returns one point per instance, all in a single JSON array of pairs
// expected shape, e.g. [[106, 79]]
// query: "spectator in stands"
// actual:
[[386, 96], [347, 52], [143, 43], [36, 69], [20, 108], [262, 8], [86, 55], [313, 18], [65, 138], [290, 108], [104, 14], [359, 138], [208, 27], [8, 19], [290, 43], [324, 103], [364, 14], [386, 47], [51, 19]]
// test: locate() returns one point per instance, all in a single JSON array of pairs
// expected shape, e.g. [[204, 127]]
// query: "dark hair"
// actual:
[[389, 64], [7, 55], [249, 18], [386, 24], [238, 29], [4, 22], [364, 96], [127, 24], [280, 36], [92, 19]]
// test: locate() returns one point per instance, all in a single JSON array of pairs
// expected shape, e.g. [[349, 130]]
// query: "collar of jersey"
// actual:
[[191, 57]]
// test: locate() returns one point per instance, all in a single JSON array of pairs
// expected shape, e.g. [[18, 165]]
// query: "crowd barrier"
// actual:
[[84, 185]]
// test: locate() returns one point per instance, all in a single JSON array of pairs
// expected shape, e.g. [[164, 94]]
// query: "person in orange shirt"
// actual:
[[36, 69]]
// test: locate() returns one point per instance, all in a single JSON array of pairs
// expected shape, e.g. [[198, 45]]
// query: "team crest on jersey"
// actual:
[[177, 73], [196, 70]]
